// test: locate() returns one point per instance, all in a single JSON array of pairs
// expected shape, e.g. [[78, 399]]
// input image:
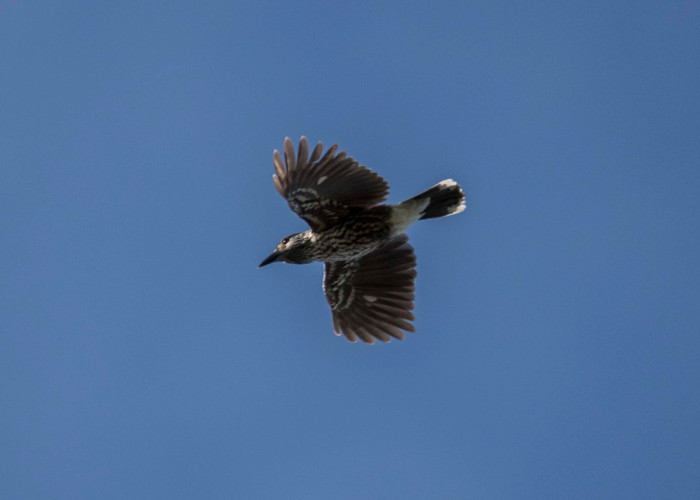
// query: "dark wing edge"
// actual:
[[318, 187], [372, 297]]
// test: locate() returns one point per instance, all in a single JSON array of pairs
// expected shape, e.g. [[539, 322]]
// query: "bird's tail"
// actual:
[[444, 198]]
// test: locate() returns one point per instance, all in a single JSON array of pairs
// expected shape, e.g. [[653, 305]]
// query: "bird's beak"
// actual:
[[270, 259]]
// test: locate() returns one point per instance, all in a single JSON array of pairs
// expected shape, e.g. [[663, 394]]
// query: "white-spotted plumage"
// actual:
[[369, 266]]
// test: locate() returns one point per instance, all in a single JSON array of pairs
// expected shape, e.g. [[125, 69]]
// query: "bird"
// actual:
[[369, 265]]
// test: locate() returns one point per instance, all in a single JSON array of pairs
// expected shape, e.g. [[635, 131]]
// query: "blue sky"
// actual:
[[143, 355]]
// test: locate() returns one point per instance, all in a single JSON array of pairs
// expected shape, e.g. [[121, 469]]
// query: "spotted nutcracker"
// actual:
[[369, 264]]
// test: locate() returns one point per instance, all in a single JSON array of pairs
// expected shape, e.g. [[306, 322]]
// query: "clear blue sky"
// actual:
[[143, 355]]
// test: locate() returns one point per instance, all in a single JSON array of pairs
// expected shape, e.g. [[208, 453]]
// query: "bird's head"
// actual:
[[293, 249]]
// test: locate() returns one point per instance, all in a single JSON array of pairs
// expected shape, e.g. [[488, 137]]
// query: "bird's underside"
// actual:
[[369, 266]]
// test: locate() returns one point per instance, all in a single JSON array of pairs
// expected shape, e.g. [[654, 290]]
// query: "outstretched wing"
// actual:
[[372, 297], [320, 190]]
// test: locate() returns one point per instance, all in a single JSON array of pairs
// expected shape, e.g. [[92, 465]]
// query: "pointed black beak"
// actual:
[[270, 259]]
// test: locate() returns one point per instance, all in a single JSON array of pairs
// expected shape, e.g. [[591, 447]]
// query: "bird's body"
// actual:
[[369, 265], [355, 235]]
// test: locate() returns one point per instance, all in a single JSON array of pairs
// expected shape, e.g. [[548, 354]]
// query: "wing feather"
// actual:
[[372, 298], [321, 189]]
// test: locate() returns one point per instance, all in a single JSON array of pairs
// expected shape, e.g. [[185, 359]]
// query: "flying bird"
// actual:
[[369, 264]]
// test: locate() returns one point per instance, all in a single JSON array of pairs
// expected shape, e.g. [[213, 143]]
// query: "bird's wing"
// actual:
[[372, 297], [320, 190]]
